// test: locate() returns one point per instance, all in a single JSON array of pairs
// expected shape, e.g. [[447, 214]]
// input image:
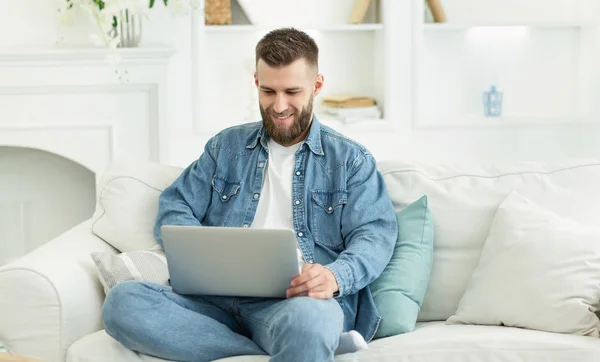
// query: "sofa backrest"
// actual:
[[463, 201], [127, 203]]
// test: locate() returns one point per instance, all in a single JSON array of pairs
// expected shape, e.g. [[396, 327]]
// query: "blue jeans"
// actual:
[[153, 320]]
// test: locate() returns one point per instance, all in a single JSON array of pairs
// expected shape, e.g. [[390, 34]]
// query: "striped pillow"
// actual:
[[144, 265]]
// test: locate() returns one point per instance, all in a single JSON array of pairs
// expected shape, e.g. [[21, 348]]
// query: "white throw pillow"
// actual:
[[536, 271], [144, 265], [128, 203]]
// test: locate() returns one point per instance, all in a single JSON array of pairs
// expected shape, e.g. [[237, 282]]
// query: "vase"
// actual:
[[492, 102], [128, 28]]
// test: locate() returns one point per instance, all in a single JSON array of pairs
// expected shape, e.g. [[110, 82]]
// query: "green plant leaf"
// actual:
[[100, 4], [151, 4], [166, 2]]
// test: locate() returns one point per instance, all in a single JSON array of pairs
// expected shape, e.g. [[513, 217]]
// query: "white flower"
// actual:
[[104, 20], [64, 7]]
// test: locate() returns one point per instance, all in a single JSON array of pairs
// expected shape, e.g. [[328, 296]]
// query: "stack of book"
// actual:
[[351, 108]]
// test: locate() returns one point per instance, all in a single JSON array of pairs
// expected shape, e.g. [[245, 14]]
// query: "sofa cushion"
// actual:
[[99, 346], [430, 342], [536, 271], [127, 203], [463, 201], [399, 291], [143, 265]]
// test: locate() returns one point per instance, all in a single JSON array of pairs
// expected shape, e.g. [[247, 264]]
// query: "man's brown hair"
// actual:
[[281, 47]]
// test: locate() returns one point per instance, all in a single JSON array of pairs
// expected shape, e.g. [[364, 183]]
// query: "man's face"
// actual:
[[285, 96]]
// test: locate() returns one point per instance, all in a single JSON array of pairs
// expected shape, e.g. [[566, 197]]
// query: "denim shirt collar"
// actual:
[[312, 140]]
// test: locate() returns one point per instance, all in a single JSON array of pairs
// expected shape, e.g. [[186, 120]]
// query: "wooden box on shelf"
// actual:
[[217, 12]]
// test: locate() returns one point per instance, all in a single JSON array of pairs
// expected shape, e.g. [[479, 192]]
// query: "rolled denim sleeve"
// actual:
[[369, 228], [187, 199]]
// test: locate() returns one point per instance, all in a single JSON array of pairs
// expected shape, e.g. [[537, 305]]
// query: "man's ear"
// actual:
[[319, 80], [256, 79]]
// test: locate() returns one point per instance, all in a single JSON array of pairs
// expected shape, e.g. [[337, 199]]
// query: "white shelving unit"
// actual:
[[354, 58], [499, 24], [330, 28], [542, 55]]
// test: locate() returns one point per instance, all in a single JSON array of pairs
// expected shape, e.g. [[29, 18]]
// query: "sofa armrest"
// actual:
[[52, 297]]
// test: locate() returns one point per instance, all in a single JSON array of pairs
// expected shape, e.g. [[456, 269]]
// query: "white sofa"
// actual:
[[50, 299]]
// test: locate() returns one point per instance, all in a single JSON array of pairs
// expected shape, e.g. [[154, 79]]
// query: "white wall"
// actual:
[[33, 23]]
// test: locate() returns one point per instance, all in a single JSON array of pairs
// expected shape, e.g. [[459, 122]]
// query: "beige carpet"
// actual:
[[5, 357]]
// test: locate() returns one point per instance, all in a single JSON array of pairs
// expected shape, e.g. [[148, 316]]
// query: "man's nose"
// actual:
[[280, 105]]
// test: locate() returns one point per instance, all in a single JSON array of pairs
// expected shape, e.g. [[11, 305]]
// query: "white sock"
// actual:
[[351, 342]]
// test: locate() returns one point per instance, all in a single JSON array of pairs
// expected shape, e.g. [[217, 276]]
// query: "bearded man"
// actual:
[[286, 171]]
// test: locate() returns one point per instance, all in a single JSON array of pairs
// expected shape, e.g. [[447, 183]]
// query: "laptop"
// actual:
[[227, 261]]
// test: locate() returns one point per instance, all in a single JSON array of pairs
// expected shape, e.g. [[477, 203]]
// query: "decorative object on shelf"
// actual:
[[348, 100], [217, 12], [301, 14], [128, 29], [437, 11], [351, 108], [119, 22], [359, 11], [492, 102]]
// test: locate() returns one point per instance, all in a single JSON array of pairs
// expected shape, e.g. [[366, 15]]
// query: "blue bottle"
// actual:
[[492, 102]]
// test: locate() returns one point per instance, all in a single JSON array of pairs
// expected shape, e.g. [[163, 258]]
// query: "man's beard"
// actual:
[[283, 134]]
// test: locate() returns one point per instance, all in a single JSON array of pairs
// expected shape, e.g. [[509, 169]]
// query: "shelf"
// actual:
[[70, 55], [476, 122], [250, 28], [374, 125], [466, 26]]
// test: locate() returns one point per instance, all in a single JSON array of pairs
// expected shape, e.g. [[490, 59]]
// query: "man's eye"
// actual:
[[267, 91], [292, 93]]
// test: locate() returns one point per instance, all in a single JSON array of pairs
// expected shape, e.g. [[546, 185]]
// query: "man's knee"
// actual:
[[315, 318], [319, 309], [121, 303]]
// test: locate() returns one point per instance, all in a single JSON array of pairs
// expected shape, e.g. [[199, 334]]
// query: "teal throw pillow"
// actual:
[[400, 290]]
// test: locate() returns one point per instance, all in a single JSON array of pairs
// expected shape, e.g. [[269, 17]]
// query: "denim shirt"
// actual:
[[343, 216]]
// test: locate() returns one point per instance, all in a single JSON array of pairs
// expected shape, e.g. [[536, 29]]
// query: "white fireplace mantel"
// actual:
[[70, 101], [68, 56]]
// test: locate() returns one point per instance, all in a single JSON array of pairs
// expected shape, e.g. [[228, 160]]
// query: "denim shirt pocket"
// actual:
[[327, 209], [225, 189]]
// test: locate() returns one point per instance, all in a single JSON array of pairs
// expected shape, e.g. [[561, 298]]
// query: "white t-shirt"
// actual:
[[274, 209]]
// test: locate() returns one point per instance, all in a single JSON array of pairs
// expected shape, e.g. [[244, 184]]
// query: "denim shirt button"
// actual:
[[246, 225], [261, 164], [300, 234], [297, 202], [298, 173], [256, 196], [224, 197], [329, 208]]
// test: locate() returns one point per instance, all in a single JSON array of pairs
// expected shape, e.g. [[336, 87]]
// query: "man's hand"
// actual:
[[314, 281]]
